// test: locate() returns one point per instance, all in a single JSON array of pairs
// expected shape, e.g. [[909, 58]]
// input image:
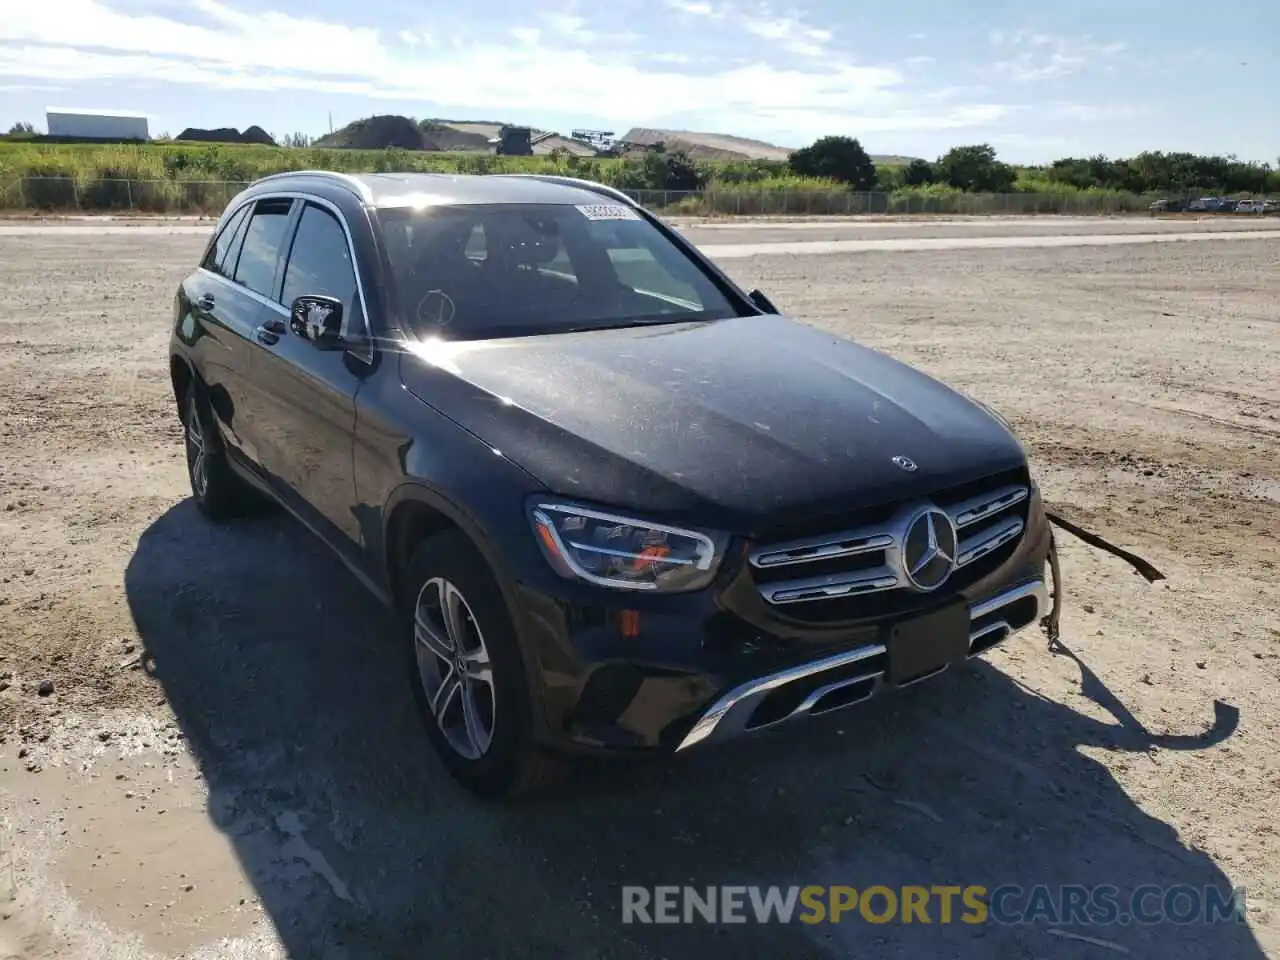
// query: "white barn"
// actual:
[[97, 124]]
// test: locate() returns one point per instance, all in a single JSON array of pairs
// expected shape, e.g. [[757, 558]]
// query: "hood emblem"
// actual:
[[929, 549], [906, 463]]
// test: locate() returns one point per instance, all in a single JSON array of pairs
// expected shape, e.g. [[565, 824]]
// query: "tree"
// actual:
[[673, 171], [21, 127], [836, 158], [976, 169], [919, 173]]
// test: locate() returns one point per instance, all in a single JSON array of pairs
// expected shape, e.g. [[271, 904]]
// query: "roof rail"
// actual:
[[356, 186], [600, 188]]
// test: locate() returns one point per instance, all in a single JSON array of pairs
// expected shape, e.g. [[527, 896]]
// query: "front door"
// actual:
[[307, 433]]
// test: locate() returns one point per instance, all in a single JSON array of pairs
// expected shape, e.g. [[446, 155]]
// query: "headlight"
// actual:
[[613, 551]]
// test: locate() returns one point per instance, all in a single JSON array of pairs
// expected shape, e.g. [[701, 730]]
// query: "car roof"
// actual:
[[438, 189]]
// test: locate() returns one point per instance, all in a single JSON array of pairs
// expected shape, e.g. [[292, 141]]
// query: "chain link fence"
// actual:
[[745, 201], [71, 194]]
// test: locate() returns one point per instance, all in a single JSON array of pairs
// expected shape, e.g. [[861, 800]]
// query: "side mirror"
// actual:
[[319, 320], [764, 304]]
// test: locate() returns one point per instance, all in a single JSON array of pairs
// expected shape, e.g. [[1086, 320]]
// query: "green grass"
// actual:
[[243, 162], [186, 178]]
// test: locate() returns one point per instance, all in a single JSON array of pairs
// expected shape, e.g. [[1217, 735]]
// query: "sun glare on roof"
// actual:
[[418, 200]]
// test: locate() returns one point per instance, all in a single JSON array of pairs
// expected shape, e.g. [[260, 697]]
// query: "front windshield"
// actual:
[[494, 270]]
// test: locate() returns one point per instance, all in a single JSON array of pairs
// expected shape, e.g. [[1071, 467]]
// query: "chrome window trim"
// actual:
[[357, 186], [366, 351], [226, 219], [251, 294]]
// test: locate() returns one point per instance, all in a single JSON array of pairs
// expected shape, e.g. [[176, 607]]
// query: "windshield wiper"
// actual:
[[497, 331]]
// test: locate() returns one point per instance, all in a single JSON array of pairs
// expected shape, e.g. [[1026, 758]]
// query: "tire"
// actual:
[[218, 493], [496, 757]]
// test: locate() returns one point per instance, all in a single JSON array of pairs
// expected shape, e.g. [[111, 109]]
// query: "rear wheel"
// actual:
[[218, 492], [468, 675]]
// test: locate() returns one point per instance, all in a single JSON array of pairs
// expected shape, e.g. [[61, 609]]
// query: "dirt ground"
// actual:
[[228, 764]]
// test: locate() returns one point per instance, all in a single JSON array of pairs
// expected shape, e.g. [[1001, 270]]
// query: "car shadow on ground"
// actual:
[[289, 688]]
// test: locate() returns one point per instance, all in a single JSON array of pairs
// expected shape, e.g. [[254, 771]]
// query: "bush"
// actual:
[[836, 158], [975, 169], [161, 176]]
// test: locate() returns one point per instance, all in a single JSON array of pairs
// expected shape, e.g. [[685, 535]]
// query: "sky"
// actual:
[[1037, 81]]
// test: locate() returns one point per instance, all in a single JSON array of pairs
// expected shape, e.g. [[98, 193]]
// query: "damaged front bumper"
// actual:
[[852, 676]]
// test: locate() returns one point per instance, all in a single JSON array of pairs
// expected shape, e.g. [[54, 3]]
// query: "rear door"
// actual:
[[248, 284], [309, 394], [223, 321]]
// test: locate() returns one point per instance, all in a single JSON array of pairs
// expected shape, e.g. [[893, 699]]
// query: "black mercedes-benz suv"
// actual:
[[619, 503]]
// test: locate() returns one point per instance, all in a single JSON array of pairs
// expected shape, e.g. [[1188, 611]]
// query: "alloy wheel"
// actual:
[[196, 451], [454, 668]]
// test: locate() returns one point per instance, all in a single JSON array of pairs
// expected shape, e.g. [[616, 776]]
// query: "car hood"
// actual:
[[747, 424]]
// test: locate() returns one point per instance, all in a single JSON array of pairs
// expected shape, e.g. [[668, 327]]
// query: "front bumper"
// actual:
[[852, 676], [663, 674]]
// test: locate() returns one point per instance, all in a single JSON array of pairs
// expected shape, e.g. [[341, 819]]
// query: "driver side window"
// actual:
[[320, 264]]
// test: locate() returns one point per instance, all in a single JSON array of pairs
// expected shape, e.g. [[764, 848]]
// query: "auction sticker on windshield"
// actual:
[[607, 211]]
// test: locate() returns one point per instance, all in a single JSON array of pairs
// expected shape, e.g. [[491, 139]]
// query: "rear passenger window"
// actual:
[[256, 267], [215, 259], [320, 263]]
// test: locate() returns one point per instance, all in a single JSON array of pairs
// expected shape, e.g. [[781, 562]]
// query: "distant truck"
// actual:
[[515, 142]]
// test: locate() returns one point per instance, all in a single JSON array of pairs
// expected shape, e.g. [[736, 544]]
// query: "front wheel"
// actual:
[[469, 678]]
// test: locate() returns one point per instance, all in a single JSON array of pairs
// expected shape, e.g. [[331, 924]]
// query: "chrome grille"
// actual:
[[867, 559]]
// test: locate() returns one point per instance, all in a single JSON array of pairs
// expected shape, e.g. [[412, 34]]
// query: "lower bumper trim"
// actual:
[[734, 713]]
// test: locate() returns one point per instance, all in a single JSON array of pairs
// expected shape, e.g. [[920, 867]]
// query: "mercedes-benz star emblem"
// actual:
[[906, 463], [929, 550]]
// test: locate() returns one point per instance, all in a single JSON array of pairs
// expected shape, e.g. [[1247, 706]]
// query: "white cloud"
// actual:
[[1097, 112], [570, 26], [1041, 56], [791, 34], [413, 38], [695, 8], [522, 71], [918, 61]]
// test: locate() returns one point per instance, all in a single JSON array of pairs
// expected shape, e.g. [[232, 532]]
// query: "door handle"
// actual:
[[205, 302], [270, 332]]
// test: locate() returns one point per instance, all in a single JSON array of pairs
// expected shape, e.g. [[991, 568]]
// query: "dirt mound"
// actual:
[[256, 134], [253, 134], [217, 135], [442, 135], [707, 146], [378, 133]]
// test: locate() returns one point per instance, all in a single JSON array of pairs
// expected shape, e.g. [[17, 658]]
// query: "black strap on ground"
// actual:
[[1052, 622], [1142, 566]]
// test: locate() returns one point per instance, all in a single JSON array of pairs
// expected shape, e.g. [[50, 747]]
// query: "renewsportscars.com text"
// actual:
[[935, 904]]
